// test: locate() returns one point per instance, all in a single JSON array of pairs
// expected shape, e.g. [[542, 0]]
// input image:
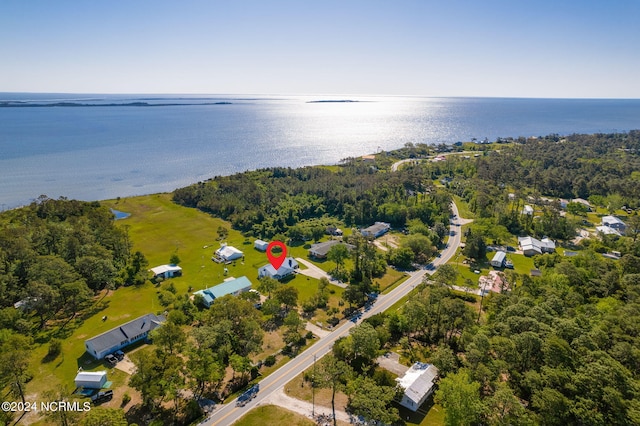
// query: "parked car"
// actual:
[[119, 355], [111, 360], [101, 397]]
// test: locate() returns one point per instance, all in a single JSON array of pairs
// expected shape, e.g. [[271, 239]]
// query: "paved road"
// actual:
[[228, 414]]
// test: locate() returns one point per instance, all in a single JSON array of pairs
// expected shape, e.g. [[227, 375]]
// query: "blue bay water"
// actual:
[[103, 149]]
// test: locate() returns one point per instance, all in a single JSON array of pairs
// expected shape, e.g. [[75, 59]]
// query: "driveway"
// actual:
[[314, 272], [126, 365]]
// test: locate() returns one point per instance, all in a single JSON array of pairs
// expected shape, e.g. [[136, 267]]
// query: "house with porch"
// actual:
[[122, 336], [287, 269]]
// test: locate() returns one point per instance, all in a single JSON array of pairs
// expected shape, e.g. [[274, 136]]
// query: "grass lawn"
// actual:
[[299, 389], [463, 208], [429, 414], [273, 415]]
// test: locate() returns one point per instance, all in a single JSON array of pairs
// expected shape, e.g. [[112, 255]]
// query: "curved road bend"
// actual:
[[228, 414]]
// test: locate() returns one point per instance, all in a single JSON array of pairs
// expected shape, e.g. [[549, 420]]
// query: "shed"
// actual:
[[260, 245], [499, 259], [91, 379], [166, 271]]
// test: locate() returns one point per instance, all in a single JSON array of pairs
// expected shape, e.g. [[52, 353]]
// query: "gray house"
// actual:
[[320, 250], [376, 230], [122, 336]]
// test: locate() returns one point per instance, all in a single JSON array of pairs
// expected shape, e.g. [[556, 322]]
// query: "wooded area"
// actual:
[[561, 348]]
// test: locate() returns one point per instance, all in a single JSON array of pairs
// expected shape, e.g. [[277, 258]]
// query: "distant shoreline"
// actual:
[[22, 104]]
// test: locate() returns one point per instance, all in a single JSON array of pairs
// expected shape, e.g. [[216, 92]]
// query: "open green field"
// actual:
[[158, 228]]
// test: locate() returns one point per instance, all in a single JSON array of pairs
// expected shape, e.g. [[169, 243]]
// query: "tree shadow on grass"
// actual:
[[408, 417]]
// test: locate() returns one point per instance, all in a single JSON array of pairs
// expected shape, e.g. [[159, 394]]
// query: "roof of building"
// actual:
[[323, 248], [227, 287], [530, 243], [376, 228], [493, 282], [607, 230], [115, 336], [581, 201], [165, 268], [611, 220], [500, 256], [228, 252], [288, 266], [527, 209], [418, 380], [91, 376], [260, 243]]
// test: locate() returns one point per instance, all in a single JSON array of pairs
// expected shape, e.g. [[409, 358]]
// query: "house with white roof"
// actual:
[[166, 271], [583, 202], [287, 269], [615, 223], [531, 246], [233, 286], [122, 336], [228, 253], [528, 210], [418, 384]]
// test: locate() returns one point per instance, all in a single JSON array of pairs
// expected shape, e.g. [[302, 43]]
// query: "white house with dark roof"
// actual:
[[122, 336], [418, 384], [287, 269]]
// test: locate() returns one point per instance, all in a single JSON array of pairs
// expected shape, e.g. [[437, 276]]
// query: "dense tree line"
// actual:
[[274, 201], [55, 255]]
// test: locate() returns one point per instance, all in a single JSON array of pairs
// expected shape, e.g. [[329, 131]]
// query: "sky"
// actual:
[[492, 48]]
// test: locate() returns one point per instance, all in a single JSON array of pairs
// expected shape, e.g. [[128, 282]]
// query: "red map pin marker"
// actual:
[[276, 261]]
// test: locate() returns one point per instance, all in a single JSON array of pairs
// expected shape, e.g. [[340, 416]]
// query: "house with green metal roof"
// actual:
[[233, 286]]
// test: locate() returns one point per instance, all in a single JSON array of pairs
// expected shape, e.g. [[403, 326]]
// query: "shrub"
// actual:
[[126, 398], [55, 348], [270, 360]]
